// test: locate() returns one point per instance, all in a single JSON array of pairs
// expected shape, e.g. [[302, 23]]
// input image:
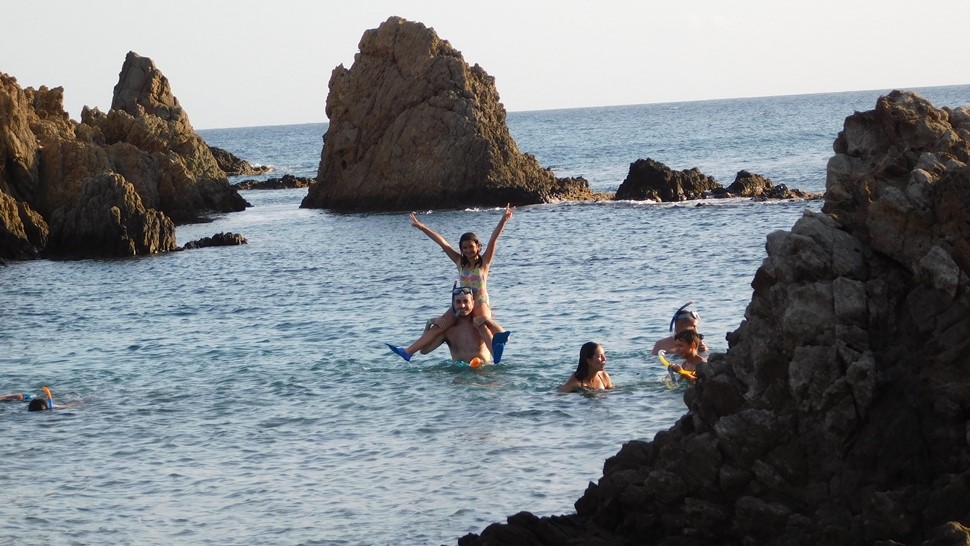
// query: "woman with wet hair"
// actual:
[[591, 371]]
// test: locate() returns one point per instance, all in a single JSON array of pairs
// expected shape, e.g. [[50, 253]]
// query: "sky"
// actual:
[[246, 63]]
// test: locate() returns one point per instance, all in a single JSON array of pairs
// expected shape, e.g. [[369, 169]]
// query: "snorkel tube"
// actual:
[[663, 360], [677, 313], [50, 399]]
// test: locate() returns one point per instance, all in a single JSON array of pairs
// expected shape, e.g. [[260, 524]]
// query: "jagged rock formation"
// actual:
[[110, 220], [758, 187], [23, 232], [233, 165], [839, 414], [150, 141], [287, 181], [219, 239], [413, 126], [654, 181], [650, 180], [48, 161]]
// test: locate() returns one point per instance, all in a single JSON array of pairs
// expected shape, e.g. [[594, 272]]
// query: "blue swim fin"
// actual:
[[399, 351], [498, 345]]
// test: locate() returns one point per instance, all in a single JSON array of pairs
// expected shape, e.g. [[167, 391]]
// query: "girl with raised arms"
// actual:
[[473, 266]]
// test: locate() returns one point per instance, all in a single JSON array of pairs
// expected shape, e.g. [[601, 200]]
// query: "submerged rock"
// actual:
[[650, 180], [839, 413], [413, 126], [287, 181], [232, 165], [219, 239], [759, 187]]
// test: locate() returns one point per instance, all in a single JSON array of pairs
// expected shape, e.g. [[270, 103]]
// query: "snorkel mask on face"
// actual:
[[459, 291]]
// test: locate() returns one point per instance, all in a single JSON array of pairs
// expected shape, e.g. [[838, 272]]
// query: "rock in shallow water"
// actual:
[[413, 126]]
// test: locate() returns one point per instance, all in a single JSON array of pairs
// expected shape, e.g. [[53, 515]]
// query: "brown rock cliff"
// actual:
[[839, 414], [48, 161], [413, 126]]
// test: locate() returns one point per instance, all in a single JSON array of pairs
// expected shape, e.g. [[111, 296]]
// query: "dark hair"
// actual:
[[469, 236], [37, 404], [586, 351], [689, 336]]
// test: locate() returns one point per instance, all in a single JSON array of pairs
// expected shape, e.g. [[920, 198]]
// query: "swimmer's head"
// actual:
[[586, 352], [688, 336], [687, 342], [685, 319], [38, 404], [462, 301]]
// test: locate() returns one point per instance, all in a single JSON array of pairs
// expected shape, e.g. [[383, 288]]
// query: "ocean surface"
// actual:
[[243, 395]]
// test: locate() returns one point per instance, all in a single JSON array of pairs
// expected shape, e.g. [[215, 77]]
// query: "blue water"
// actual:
[[244, 395]]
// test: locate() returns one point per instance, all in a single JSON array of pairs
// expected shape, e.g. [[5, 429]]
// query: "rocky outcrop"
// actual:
[[285, 182], [48, 161], [151, 142], [758, 187], [232, 165], [413, 126], [839, 414], [650, 180], [23, 232], [219, 239], [110, 220]]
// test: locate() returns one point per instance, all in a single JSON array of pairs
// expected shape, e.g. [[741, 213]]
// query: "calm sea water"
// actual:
[[244, 394]]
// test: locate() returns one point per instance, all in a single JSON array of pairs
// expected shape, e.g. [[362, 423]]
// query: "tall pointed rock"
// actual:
[[413, 126], [181, 177]]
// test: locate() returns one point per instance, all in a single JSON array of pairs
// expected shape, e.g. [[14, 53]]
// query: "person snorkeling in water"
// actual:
[[34, 403], [683, 319]]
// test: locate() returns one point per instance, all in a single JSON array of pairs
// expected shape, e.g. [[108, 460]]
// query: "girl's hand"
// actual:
[[415, 222], [508, 212]]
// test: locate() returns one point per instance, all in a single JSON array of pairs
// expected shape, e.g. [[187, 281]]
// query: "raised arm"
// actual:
[[453, 254], [490, 250]]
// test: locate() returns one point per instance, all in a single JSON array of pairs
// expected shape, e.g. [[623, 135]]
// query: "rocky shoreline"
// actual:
[[113, 184], [839, 413], [116, 184]]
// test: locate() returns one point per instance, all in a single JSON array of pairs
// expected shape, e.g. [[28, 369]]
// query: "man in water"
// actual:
[[465, 338], [683, 319]]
